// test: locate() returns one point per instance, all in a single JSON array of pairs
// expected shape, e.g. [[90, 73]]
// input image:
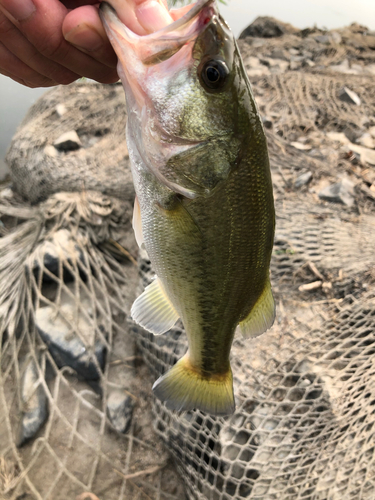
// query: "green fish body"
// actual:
[[204, 208]]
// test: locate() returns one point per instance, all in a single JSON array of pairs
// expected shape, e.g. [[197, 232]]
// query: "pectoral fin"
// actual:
[[137, 222], [261, 316], [153, 310]]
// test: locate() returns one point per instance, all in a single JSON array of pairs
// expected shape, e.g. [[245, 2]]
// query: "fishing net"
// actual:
[[77, 416]]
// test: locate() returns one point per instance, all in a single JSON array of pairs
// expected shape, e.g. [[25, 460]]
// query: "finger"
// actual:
[[142, 16], [41, 23], [13, 67], [178, 13], [82, 28], [18, 45]]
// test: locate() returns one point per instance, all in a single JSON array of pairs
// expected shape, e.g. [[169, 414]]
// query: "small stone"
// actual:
[[336, 37], [324, 39], [280, 54], [68, 141], [261, 71], [371, 131], [120, 408], [301, 146], [50, 151], [367, 141], [303, 179], [62, 330], [309, 63], [61, 110], [369, 69], [267, 122], [347, 95], [338, 137], [341, 192], [367, 155], [34, 401], [61, 245], [345, 68], [295, 65]]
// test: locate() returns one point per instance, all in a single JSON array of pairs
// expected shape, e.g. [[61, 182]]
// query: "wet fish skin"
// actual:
[[201, 173]]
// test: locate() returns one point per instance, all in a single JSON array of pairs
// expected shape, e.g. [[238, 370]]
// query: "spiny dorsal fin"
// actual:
[[261, 316], [137, 222], [153, 310]]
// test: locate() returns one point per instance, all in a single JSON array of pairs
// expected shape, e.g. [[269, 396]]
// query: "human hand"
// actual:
[[48, 42]]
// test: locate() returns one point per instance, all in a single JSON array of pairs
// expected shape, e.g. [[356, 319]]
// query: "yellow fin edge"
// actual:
[[262, 315], [153, 310], [184, 388]]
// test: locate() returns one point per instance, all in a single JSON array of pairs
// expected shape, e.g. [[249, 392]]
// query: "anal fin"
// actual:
[[153, 310], [262, 315]]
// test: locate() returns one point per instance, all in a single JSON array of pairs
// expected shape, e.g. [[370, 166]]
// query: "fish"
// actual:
[[204, 206]]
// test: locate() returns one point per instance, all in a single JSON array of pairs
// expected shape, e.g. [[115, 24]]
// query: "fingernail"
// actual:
[[84, 37], [153, 16], [20, 10]]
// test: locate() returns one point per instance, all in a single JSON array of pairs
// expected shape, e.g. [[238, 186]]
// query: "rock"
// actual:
[[301, 146], [295, 65], [280, 54], [324, 39], [61, 110], [335, 37], [50, 151], [120, 408], [367, 141], [34, 401], [68, 141], [308, 62], [267, 27], [303, 179], [341, 192], [369, 69], [60, 246], [267, 122], [346, 68], [254, 67], [367, 155], [275, 65], [371, 131], [347, 95], [69, 336], [338, 137]]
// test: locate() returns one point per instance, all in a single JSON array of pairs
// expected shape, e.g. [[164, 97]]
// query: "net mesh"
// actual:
[[304, 421]]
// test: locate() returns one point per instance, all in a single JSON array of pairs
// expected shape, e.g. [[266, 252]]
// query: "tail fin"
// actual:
[[184, 388]]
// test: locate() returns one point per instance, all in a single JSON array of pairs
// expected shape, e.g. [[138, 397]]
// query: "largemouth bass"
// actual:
[[204, 207]]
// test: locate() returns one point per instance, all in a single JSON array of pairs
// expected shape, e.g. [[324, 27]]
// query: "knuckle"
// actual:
[[38, 81], [53, 48], [6, 27]]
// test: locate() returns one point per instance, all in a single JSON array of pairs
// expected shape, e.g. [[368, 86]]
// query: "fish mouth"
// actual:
[[162, 44]]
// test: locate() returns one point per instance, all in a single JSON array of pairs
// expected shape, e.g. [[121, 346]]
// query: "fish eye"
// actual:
[[213, 74]]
